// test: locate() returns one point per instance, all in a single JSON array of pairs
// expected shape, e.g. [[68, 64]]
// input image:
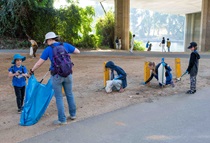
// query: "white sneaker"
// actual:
[[72, 118], [56, 122]]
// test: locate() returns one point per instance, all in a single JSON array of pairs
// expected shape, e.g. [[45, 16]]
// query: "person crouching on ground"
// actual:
[[119, 82], [154, 73], [18, 73], [193, 67]]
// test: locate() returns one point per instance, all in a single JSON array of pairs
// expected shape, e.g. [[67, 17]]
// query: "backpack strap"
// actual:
[[54, 46], [13, 71], [22, 68]]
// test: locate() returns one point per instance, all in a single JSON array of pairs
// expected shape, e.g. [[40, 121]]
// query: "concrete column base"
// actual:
[[205, 26], [122, 22]]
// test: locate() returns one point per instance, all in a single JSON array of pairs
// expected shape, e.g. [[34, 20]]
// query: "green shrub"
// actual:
[[139, 46], [89, 41]]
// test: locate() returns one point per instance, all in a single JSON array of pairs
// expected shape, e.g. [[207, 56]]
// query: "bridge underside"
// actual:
[[197, 25]]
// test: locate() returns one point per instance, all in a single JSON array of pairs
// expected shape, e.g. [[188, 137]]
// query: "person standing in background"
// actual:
[[132, 43], [120, 43], [117, 43], [34, 46], [150, 47], [168, 44], [163, 44], [147, 45]]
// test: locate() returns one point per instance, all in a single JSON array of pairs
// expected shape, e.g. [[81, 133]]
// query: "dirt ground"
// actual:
[[90, 96]]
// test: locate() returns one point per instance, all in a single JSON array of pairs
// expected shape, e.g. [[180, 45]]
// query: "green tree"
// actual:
[[15, 15], [43, 20], [74, 25], [105, 29]]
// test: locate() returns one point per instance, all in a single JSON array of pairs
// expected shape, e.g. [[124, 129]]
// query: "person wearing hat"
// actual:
[[51, 39], [168, 44], [18, 73], [193, 67]]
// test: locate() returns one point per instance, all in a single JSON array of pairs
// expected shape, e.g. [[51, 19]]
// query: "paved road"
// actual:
[[173, 119], [124, 53]]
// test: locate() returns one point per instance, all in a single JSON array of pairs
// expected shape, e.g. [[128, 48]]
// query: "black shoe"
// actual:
[[191, 92], [19, 111]]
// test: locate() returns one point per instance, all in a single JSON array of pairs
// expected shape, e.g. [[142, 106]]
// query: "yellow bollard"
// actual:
[[106, 74], [146, 71], [178, 71]]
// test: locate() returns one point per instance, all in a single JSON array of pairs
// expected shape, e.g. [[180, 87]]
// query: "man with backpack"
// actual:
[[61, 73]]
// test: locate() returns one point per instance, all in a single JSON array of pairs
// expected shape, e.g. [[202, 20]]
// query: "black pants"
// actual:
[[20, 93], [35, 47]]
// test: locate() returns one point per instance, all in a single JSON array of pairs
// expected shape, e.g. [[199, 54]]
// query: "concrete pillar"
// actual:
[[188, 34], [205, 26], [192, 29], [122, 21]]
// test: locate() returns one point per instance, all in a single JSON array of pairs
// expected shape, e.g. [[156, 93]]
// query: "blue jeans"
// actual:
[[66, 82]]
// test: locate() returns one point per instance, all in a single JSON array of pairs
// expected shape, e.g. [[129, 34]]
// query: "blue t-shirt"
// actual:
[[20, 80], [48, 52]]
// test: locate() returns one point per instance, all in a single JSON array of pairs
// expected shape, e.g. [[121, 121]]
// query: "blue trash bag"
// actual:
[[38, 97]]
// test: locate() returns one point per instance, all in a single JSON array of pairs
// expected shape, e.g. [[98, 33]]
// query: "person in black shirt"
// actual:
[[193, 67], [163, 44]]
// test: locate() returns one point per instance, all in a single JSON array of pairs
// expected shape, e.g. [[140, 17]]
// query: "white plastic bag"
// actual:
[[109, 86], [31, 51]]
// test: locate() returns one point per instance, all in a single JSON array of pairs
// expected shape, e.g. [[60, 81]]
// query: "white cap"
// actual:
[[50, 35]]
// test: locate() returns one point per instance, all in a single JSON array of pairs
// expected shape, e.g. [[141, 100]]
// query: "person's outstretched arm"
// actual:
[[38, 64], [76, 51], [150, 78]]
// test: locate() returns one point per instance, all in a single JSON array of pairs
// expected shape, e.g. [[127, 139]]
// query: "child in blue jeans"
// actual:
[[18, 73]]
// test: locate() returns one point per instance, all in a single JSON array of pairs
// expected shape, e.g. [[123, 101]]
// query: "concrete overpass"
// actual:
[[197, 12]]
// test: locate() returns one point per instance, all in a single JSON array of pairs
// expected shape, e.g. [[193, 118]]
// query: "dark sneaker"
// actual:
[[72, 117], [190, 91], [19, 111]]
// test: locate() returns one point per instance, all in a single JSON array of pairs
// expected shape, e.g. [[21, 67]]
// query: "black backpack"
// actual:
[[61, 61]]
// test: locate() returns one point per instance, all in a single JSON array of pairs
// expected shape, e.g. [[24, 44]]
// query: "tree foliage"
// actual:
[[74, 23], [15, 15], [37, 17], [105, 29]]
